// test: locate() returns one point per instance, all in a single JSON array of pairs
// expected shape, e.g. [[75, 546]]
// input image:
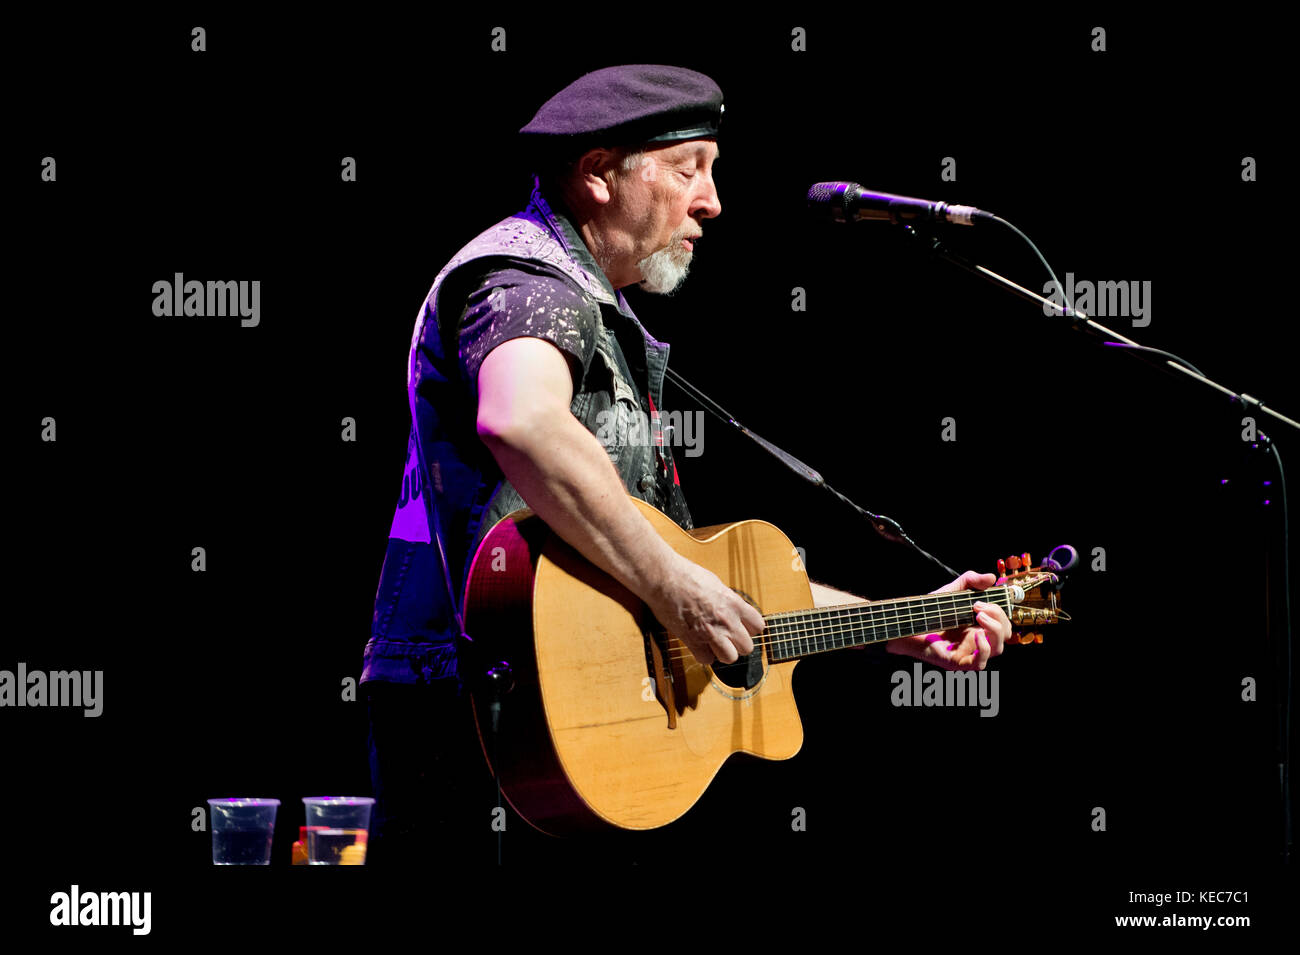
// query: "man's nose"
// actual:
[[708, 204]]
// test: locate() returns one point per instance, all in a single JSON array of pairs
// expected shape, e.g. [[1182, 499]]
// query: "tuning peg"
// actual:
[[1002, 568], [1013, 562], [1025, 560]]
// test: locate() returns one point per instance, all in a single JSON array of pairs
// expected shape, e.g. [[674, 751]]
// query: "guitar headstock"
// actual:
[[1042, 587]]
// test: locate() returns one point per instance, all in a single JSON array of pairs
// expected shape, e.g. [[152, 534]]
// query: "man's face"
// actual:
[[657, 213]]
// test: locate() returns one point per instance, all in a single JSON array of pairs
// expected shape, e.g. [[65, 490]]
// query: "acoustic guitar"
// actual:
[[604, 720]]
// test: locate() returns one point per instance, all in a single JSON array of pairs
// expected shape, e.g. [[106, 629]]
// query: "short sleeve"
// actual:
[[511, 303]]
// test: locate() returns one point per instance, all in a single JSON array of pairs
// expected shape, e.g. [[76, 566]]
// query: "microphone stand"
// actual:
[[1079, 321]]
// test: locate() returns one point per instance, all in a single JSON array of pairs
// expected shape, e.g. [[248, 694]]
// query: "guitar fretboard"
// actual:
[[800, 633]]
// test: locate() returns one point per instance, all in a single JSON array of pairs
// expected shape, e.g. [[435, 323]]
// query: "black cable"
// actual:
[[1069, 306], [1157, 351]]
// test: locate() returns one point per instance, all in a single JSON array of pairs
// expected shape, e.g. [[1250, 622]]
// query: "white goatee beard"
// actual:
[[663, 272]]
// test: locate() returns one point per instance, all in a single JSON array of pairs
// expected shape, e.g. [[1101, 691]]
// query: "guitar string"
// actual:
[[786, 630], [798, 646]]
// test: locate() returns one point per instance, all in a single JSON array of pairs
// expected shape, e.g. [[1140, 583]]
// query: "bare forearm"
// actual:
[[565, 475]]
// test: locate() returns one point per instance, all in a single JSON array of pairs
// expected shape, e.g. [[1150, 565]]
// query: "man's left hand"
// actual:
[[962, 648]]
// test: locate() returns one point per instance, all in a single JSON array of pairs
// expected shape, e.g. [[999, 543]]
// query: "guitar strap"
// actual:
[[886, 527]]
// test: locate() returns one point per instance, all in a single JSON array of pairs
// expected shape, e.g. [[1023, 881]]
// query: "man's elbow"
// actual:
[[515, 427], [498, 429]]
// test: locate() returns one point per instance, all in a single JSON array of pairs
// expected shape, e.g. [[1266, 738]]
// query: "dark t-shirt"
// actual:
[[514, 302]]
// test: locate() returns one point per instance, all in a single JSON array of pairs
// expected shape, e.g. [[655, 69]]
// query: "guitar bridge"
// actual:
[[657, 657]]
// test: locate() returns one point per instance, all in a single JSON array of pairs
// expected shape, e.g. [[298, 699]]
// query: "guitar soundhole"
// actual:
[[745, 674]]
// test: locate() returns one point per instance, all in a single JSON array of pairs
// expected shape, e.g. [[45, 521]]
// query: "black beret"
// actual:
[[627, 106]]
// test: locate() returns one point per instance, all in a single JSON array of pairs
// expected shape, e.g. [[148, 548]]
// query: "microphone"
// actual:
[[851, 202]]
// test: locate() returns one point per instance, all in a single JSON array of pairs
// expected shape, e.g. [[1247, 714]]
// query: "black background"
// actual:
[[176, 433]]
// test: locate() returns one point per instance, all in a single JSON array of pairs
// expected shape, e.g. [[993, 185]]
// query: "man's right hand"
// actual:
[[709, 617]]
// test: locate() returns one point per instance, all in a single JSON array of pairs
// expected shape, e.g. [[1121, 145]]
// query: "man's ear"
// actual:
[[594, 172]]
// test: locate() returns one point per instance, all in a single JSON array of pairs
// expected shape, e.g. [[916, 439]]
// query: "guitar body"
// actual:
[[594, 733]]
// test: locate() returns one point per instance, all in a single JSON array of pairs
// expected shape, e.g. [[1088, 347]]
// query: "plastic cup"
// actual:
[[242, 829], [338, 828]]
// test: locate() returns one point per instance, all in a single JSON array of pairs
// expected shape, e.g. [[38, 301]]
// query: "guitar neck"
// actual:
[[800, 633]]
